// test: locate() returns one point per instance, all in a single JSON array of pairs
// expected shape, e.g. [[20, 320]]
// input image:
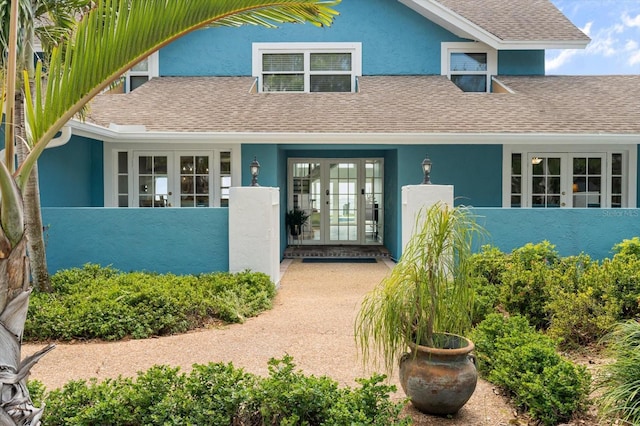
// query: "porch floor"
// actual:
[[302, 251]]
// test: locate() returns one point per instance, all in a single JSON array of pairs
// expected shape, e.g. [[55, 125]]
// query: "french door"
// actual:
[[558, 180], [179, 179], [343, 198]]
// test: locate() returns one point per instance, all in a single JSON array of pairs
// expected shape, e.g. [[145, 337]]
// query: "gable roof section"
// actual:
[[411, 106], [504, 25]]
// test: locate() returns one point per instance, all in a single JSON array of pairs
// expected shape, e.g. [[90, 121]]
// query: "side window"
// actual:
[[307, 67], [469, 65]]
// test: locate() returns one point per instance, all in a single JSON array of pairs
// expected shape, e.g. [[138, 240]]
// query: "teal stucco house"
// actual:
[[340, 120]]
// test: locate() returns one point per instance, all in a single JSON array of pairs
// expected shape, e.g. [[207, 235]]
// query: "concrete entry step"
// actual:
[[343, 251]]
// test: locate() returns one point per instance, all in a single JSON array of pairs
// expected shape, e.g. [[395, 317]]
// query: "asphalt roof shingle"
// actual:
[[384, 104], [518, 20]]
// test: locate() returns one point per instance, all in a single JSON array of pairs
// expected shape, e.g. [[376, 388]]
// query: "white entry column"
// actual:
[[254, 230], [420, 197]]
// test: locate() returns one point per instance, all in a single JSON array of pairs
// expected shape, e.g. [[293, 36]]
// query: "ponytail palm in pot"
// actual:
[[425, 305]]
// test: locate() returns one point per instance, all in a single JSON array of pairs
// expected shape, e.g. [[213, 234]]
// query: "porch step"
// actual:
[[344, 251]]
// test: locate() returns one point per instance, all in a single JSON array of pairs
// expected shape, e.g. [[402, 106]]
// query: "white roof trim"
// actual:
[[462, 27], [110, 135]]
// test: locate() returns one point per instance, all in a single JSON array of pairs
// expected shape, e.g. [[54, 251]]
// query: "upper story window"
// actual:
[[307, 67], [469, 65], [142, 72]]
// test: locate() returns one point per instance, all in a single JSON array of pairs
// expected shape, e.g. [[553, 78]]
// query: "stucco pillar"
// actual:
[[254, 230], [421, 197]]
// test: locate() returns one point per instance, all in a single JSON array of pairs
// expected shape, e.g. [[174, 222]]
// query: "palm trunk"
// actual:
[[16, 407], [32, 212]]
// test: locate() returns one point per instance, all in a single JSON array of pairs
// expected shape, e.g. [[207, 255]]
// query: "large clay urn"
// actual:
[[439, 380]]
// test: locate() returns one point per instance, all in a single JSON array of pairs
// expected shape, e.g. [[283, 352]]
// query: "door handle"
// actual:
[[326, 192], [362, 191]]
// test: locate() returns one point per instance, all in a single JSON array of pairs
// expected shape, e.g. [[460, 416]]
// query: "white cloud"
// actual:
[[631, 45], [634, 59], [556, 62], [629, 21]]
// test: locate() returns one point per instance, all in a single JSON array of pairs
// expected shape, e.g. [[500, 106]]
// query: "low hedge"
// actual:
[[516, 357], [575, 299], [220, 394], [97, 302]]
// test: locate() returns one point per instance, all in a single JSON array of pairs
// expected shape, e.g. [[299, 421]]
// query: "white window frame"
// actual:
[[629, 168], [153, 70], [447, 48], [110, 156], [259, 49]]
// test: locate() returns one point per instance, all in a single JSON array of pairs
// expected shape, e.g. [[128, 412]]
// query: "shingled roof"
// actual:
[[384, 105], [504, 24]]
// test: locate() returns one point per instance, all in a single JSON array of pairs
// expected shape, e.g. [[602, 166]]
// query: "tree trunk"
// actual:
[[32, 212], [16, 407]]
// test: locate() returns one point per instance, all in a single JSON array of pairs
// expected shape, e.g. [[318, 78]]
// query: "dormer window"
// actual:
[[307, 67], [469, 65], [142, 72]]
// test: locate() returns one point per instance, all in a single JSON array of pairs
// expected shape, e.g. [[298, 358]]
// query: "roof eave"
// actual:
[[109, 135], [462, 27]]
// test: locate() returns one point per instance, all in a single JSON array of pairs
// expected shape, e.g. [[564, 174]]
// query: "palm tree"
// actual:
[[110, 39], [48, 21]]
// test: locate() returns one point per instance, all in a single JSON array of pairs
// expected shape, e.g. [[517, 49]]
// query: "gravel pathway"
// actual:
[[312, 320]]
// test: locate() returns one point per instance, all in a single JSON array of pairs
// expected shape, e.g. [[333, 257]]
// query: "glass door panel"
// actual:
[[588, 176], [343, 201], [194, 181], [153, 181], [546, 182]]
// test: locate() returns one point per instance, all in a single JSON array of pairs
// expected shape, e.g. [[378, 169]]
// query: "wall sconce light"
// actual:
[[536, 160], [426, 169], [254, 167]]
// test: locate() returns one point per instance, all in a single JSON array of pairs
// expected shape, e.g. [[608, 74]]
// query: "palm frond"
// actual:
[[117, 34]]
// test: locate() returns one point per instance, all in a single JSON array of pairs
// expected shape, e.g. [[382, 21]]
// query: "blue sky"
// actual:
[[614, 28]]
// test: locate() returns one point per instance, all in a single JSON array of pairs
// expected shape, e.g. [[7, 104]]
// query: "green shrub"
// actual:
[[488, 266], [627, 248], [526, 290], [103, 303], [619, 382], [515, 356], [581, 307], [220, 394]]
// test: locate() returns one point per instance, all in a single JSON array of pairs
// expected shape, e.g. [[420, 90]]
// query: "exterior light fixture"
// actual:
[[426, 169], [254, 167]]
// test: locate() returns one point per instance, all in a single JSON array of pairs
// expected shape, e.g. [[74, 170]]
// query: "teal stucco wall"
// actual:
[[72, 175], [181, 241], [395, 40], [572, 231]]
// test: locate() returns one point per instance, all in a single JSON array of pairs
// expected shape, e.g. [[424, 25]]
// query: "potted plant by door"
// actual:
[[294, 220], [425, 306]]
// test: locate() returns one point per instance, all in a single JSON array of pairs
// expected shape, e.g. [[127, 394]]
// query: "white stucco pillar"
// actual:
[[254, 230], [419, 197]]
